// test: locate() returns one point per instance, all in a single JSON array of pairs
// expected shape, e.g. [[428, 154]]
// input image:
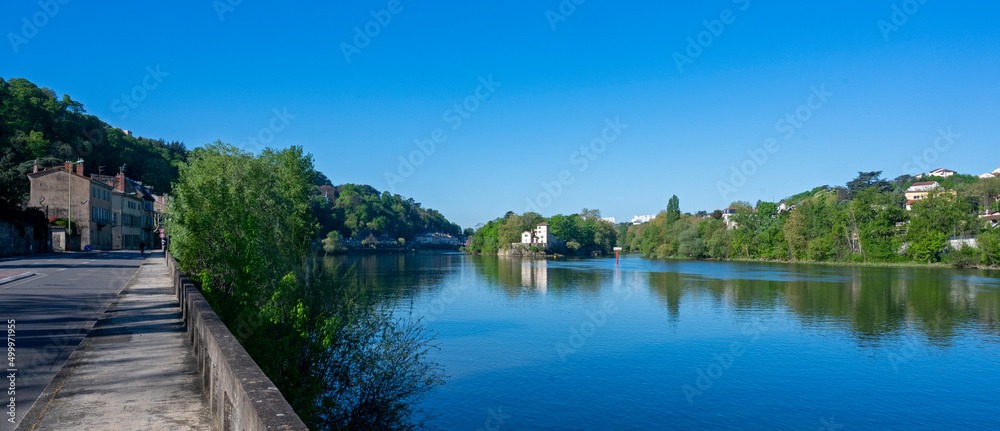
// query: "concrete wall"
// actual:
[[241, 396], [18, 238]]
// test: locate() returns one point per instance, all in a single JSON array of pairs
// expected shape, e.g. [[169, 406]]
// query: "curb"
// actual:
[[41, 404], [14, 278]]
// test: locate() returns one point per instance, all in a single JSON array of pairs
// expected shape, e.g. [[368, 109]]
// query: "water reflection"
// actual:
[[869, 303]]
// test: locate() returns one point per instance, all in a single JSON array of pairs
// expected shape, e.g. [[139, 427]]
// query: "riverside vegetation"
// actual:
[[244, 227], [865, 221]]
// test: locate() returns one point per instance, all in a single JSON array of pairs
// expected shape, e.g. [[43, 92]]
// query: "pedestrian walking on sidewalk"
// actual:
[[142, 248]]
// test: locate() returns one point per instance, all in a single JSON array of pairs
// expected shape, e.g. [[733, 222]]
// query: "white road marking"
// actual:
[[18, 283]]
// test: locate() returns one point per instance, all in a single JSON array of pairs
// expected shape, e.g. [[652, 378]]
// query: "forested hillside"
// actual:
[[35, 124], [352, 208], [864, 221]]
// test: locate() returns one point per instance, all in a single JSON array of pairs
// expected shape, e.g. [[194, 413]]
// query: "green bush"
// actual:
[[963, 257]]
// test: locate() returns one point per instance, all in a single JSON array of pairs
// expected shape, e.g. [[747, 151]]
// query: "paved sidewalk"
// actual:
[[135, 370]]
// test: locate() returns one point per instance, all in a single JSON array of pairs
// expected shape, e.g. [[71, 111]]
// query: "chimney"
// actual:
[[68, 166], [79, 167], [34, 167], [120, 182]]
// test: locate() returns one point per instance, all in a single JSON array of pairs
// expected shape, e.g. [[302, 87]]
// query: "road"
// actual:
[[52, 311]]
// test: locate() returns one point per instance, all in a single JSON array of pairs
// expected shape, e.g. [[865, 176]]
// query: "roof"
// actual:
[[924, 183], [942, 170], [63, 169], [543, 224]]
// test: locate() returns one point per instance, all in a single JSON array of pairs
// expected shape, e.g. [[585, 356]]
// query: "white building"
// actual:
[[540, 237], [943, 173], [640, 219], [727, 214], [612, 220], [988, 175]]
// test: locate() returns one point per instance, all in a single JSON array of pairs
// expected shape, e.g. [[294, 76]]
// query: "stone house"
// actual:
[[65, 193]]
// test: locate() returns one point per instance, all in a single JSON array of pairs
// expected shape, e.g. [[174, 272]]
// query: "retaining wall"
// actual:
[[241, 396]]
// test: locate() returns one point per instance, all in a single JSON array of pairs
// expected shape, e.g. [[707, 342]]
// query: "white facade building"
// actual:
[[640, 219], [540, 237], [612, 220], [943, 173]]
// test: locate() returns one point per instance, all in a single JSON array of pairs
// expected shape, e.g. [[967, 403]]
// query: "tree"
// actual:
[[590, 213], [932, 220], [867, 180], [989, 244], [673, 210], [333, 243], [986, 191]]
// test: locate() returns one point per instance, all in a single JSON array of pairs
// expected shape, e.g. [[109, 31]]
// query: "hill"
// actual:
[[36, 125]]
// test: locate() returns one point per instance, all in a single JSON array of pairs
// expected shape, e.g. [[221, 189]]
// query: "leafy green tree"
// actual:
[[866, 180], [929, 246], [989, 243], [673, 210], [332, 243], [691, 244], [872, 218]]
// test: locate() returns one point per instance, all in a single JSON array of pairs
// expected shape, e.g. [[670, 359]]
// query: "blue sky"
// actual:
[[224, 70]]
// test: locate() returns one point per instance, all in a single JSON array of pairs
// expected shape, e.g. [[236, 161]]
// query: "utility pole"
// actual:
[[69, 207]]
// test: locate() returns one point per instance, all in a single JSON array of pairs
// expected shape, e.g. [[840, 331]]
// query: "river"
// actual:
[[588, 344]]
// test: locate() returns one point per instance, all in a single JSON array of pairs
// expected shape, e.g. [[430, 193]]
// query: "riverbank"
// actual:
[[935, 265]]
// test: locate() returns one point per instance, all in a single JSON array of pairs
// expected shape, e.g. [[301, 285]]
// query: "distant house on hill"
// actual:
[[988, 175], [640, 219], [921, 190], [943, 173], [540, 237], [728, 214], [435, 238]]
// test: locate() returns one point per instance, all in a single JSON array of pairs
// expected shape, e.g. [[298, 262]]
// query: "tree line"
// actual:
[[864, 221]]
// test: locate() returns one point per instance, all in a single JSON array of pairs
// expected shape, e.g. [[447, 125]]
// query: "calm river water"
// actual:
[[587, 344]]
